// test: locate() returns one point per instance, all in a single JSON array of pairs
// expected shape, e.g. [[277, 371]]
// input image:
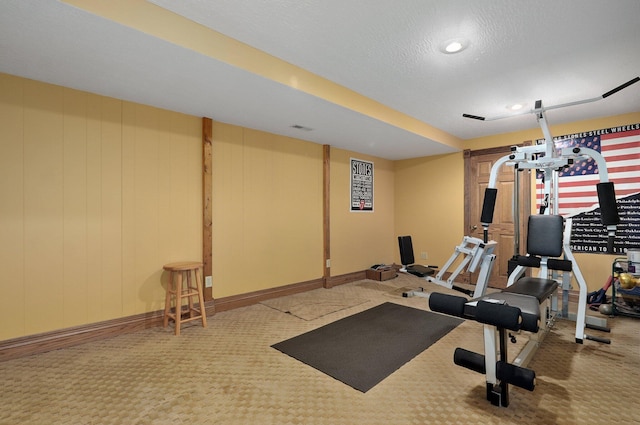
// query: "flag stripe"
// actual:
[[574, 181], [619, 144], [624, 169], [625, 157]]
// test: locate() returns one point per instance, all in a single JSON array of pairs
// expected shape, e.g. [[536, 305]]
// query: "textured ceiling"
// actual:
[[390, 52]]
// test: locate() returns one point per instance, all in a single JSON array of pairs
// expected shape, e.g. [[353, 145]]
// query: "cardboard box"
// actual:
[[381, 274]]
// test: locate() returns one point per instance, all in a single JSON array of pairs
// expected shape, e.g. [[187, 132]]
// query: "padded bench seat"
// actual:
[[533, 286]]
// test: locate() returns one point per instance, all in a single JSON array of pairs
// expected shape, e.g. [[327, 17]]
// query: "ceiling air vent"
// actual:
[[301, 127]]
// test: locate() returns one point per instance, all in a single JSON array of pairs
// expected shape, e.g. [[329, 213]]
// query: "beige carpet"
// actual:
[[227, 373]]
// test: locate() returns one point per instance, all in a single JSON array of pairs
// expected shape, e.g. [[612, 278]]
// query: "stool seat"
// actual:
[[181, 286], [182, 265]]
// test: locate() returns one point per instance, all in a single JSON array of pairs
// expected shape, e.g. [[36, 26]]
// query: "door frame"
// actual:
[[524, 192]]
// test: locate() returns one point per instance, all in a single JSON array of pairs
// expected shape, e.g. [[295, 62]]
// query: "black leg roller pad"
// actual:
[[515, 375], [470, 360], [507, 374], [447, 304], [499, 315]]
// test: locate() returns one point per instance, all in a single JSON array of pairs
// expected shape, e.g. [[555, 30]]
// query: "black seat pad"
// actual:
[[419, 270], [533, 286]]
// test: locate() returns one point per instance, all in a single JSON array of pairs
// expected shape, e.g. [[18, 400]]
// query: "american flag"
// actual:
[[619, 146]]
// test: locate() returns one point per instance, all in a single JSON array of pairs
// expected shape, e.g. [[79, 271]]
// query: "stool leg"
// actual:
[[167, 301], [190, 289], [203, 311], [179, 291]]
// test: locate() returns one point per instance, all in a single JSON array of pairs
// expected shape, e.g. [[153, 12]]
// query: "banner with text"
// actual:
[[578, 198]]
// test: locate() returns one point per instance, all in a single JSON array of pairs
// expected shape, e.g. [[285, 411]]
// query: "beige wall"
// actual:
[[99, 193], [267, 223], [267, 210], [429, 205], [361, 239], [95, 192]]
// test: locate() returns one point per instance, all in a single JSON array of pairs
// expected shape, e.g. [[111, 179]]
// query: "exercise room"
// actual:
[[297, 212]]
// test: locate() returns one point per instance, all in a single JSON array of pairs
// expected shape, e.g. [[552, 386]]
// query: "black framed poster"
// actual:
[[361, 185]]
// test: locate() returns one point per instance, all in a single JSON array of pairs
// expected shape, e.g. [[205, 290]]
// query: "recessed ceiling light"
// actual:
[[516, 106], [454, 45]]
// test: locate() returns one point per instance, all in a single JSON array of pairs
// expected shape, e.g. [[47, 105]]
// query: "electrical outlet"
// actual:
[[424, 255], [208, 282]]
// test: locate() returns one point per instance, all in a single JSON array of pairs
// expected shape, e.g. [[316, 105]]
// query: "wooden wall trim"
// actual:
[[250, 298], [326, 213], [467, 191], [69, 337], [345, 278], [244, 300], [40, 343], [499, 149], [207, 207]]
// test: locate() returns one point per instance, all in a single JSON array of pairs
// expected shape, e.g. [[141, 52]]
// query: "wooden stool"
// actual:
[[179, 274]]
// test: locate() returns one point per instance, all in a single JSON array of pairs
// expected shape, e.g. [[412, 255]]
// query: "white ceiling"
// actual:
[[388, 51]]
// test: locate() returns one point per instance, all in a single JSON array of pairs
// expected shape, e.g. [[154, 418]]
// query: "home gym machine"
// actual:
[[530, 303], [546, 158], [474, 252]]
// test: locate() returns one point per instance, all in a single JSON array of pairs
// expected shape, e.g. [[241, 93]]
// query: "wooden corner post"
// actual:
[[326, 213], [207, 208]]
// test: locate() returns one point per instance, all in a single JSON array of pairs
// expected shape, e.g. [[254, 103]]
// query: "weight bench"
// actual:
[[407, 259], [525, 305]]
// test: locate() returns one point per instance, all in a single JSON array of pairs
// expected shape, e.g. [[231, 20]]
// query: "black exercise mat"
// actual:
[[363, 349]]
